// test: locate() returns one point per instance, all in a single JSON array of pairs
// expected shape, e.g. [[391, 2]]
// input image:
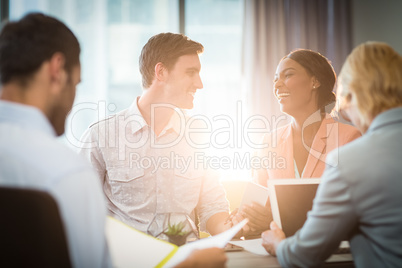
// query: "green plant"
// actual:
[[176, 230], [176, 234]]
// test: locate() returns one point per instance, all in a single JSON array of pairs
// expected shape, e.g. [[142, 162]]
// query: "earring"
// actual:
[[313, 86]]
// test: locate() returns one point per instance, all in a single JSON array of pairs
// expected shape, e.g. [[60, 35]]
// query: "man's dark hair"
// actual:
[[27, 43], [165, 48]]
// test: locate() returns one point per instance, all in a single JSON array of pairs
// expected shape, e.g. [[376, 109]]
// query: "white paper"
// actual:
[[254, 193], [132, 248], [252, 245], [219, 241]]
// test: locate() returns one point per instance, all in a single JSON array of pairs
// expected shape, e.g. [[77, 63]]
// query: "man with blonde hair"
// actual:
[[360, 198]]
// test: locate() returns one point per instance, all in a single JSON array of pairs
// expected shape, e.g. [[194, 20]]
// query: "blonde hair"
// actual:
[[372, 75]]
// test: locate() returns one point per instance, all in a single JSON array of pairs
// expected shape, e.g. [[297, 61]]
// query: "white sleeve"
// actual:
[[91, 151], [212, 198], [83, 210]]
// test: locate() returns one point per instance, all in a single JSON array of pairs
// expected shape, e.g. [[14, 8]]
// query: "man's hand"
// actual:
[[259, 216], [234, 218], [218, 223], [271, 238], [259, 219], [208, 258]]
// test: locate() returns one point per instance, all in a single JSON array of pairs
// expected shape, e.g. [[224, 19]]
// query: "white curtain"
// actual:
[[264, 44], [273, 28]]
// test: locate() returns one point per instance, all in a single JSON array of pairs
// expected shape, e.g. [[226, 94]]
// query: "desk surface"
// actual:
[[244, 259]]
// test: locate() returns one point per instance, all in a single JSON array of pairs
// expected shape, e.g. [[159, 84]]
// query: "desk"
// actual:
[[245, 259]]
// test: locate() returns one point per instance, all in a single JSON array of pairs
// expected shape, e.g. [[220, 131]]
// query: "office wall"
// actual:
[[377, 20]]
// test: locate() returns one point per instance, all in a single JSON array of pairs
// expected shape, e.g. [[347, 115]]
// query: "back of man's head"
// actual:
[[27, 43], [165, 48]]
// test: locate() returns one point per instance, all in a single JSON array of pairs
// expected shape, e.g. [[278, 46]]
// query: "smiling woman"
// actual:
[[295, 88], [303, 85]]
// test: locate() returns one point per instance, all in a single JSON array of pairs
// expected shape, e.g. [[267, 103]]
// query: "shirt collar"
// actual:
[[388, 117], [176, 122], [322, 132], [139, 121], [26, 116]]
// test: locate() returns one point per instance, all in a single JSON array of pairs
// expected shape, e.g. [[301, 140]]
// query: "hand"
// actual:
[[231, 216], [236, 218], [259, 217], [208, 258], [271, 238]]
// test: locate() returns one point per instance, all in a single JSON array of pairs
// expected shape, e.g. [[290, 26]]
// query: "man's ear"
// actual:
[[160, 71], [58, 75]]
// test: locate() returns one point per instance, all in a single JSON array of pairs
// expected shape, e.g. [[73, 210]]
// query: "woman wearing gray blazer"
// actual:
[[360, 196]]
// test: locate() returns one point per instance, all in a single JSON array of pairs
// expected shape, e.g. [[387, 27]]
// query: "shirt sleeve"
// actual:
[[91, 151], [330, 221], [212, 198], [83, 210]]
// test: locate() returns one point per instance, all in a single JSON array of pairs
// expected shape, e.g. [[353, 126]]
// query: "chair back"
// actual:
[[31, 230]]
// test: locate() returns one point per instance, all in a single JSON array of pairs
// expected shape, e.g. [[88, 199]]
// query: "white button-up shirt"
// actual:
[[31, 157], [143, 175]]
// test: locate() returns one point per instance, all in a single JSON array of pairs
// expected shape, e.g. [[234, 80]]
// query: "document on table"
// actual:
[[132, 248], [219, 241], [252, 245]]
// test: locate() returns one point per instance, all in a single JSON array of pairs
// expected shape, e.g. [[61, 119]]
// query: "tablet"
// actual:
[[291, 199]]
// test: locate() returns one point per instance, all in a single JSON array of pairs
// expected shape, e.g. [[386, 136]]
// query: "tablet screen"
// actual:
[[290, 202]]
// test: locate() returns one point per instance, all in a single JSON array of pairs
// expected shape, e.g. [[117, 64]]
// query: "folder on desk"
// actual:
[[132, 248]]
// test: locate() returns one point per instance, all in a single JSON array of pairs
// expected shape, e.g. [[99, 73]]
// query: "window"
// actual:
[[112, 34], [217, 24]]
